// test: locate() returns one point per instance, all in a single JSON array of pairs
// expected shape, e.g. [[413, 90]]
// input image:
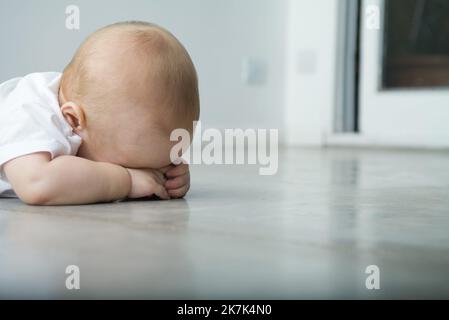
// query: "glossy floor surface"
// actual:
[[308, 232]]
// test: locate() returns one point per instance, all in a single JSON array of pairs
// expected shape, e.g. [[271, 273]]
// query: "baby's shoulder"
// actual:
[[41, 79], [33, 87]]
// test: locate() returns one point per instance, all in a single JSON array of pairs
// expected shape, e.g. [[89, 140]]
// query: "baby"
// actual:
[[101, 130]]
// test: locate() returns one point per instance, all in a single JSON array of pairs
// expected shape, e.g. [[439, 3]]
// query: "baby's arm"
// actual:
[[38, 180]]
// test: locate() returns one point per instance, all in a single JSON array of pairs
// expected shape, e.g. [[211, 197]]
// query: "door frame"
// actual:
[[393, 117], [347, 82]]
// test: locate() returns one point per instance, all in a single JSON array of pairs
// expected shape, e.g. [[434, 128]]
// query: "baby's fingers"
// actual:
[[160, 178], [180, 192], [167, 168], [177, 171], [161, 192], [178, 182]]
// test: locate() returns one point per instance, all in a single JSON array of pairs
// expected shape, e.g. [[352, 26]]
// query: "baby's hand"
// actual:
[[178, 182], [146, 183]]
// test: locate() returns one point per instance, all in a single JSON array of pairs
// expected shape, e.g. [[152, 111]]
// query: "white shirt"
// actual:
[[31, 121]]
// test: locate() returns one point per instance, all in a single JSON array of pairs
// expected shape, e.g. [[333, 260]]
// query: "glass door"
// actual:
[[404, 72]]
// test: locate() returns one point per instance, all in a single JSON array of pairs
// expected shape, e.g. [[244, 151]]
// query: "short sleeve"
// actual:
[[31, 121], [21, 148]]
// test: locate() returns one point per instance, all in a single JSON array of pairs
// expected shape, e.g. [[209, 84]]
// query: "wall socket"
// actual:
[[254, 71]]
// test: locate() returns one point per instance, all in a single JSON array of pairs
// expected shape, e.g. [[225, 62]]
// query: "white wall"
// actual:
[[311, 60], [218, 34]]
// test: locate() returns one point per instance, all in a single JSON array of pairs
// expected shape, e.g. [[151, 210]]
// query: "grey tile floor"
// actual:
[[308, 232]]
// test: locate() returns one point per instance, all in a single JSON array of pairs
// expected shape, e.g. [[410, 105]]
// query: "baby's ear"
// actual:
[[74, 115]]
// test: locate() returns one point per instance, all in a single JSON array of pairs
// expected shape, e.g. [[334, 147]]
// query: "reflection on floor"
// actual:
[[308, 232]]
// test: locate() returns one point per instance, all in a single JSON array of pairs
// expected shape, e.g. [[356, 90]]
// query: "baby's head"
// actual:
[[127, 88]]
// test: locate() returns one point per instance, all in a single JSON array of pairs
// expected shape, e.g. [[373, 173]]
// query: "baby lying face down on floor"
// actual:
[[100, 131]]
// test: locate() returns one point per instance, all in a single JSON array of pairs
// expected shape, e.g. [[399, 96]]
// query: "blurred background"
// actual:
[[316, 70]]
